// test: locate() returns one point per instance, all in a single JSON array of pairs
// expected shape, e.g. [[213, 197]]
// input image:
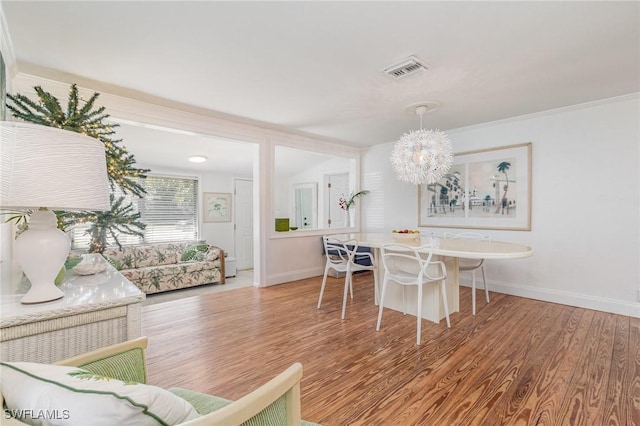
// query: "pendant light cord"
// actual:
[[420, 110]]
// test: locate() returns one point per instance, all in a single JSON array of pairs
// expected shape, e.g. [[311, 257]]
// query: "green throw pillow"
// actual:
[[116, 264], [190, 253]]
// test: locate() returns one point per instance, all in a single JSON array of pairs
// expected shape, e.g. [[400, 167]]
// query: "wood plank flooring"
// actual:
[[517, 362]]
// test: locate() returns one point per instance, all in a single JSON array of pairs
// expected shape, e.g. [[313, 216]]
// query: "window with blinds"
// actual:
[[169, 209]]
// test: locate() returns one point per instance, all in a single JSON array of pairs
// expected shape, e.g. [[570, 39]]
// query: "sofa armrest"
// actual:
[[257, 405], [222, 258], [124, 361]]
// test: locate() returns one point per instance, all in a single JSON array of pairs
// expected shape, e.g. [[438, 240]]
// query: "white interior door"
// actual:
[[337, 186], [306, 205], [243, 220]]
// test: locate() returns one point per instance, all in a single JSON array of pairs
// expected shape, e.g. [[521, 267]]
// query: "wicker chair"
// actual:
[[275, 402]]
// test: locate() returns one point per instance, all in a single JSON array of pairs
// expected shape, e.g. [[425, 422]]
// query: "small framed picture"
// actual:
[[216, 206]]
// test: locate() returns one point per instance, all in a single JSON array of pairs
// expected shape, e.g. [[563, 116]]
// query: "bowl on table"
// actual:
[[406, 236]]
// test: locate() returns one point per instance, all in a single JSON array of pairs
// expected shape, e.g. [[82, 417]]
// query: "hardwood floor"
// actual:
[[517, 362]]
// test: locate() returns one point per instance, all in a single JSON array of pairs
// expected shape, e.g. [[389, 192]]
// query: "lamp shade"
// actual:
[[43, 166], [422, 156]]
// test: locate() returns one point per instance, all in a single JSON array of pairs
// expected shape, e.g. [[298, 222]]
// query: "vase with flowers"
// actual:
[[346, 204]]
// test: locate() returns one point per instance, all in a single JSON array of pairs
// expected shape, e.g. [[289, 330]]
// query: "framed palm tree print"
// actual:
[[484, 189]]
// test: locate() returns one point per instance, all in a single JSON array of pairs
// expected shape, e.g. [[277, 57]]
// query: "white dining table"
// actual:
[[448, 250]]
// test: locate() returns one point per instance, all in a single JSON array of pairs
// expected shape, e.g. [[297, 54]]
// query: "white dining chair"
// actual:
[[343, 256], [471, 265], [407, 266]]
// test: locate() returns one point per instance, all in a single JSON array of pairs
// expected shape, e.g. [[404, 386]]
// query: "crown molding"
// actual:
[[590, 104]]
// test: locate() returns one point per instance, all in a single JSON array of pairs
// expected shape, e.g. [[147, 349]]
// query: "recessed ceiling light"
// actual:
[[197, 158]]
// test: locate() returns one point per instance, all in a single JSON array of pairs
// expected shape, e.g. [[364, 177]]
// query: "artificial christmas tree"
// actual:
[[81, 117]]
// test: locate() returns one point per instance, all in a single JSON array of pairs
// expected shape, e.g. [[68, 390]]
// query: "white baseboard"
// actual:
[[563, 297], [300, 274], [544, 294]]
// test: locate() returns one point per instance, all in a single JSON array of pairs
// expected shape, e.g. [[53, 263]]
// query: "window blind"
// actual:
[[169, 209]]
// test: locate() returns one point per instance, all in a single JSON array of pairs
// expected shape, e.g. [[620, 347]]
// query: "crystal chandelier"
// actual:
[[422, 156]]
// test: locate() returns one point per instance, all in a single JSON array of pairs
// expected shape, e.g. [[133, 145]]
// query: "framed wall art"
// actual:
[[217, 206], [484, 189]]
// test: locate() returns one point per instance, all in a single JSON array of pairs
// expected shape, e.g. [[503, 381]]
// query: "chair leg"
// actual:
[[473, 291], [404, 305], [484, 279], [381, 307], [347, 285], [351, 286], [419, 302], [376, 297], [444, 300], [324, 282]]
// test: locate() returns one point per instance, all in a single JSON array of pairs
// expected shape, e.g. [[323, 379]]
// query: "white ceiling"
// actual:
[[317, 67], [168, 152]]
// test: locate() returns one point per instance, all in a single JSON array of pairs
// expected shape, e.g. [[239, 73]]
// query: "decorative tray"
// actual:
[[89, 268]]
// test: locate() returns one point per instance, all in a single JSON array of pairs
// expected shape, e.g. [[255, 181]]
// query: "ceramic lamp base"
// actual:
[[41, 294], [41, 251]]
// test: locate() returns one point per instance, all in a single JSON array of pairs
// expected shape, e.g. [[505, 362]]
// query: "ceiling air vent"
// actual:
[[409, 66]]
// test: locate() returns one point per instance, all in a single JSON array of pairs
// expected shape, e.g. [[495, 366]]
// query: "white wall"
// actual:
[[585, 203], [283, 188], [282, 197], [220, 234]]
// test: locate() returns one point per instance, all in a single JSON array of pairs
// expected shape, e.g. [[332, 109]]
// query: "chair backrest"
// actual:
[[256, 407], [407, 264], [339, 251], [467, 236]]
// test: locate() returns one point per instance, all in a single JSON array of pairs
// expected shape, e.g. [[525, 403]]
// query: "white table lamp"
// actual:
[[47, 168]]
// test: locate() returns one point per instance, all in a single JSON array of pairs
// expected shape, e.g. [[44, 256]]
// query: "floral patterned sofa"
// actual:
[[168, 266]]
